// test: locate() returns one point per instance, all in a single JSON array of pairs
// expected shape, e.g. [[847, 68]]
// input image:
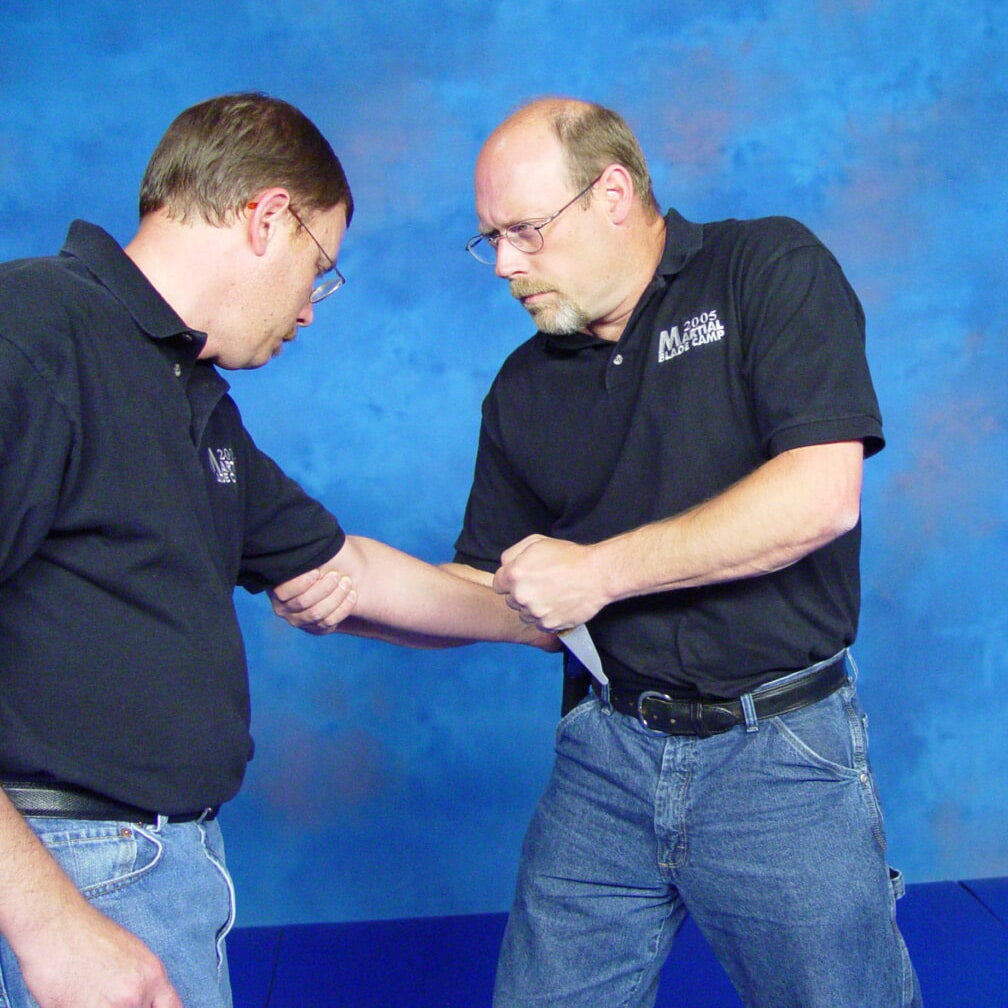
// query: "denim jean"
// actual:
[[771, 839], [167, 883]]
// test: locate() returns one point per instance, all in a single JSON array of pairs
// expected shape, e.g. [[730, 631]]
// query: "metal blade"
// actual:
[[578, 641]]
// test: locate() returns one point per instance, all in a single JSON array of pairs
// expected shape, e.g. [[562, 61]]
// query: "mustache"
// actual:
[[523, 287]]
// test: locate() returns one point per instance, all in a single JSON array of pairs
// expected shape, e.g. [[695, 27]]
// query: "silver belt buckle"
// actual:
[[652, 695]]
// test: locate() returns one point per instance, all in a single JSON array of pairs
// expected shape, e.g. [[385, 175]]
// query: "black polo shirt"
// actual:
[[132, 502], [748, 342]]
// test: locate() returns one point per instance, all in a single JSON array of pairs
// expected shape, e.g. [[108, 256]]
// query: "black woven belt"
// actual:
[[61, 801], [685, 716]]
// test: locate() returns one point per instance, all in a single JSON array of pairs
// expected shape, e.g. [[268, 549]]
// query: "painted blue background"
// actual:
[[391, 783]]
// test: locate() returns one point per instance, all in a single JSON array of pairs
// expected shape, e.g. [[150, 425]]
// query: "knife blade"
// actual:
[[578, 641]]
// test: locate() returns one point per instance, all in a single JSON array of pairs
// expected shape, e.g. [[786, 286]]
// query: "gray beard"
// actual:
[[560, 318]]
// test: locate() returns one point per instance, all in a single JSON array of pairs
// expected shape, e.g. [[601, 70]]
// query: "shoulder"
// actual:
[[521, 362], [41, 274], [37, 294], [759, 237], [767, 253], [48, 308], [31, 305], [26, 281]]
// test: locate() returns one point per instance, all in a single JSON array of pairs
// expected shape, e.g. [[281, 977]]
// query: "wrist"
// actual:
[[606, 566]]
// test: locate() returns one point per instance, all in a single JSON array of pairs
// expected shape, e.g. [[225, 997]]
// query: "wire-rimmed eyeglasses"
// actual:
[[324, 285], [526, 236]]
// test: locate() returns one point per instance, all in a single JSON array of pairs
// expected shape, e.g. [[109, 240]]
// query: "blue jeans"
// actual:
[[167, 884], [772, 839]]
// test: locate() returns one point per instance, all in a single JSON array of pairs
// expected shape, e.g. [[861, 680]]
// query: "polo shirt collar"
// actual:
[[683, 239], [103, 256]]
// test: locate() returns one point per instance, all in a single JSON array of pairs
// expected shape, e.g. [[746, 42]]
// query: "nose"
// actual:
[[509, 260], [306, 315]]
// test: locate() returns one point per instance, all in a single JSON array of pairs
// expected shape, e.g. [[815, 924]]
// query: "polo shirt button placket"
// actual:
[[619, 372]]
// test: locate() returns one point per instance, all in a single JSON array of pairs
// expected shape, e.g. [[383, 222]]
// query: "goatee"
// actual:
[[557, 318]]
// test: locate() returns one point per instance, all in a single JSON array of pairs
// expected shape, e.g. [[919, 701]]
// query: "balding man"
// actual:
[[675, 459]]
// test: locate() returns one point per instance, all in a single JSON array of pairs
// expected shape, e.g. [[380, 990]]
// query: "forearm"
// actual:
[[391, 634], [791, 506], [68, 952], [33, 888], [406, 601]]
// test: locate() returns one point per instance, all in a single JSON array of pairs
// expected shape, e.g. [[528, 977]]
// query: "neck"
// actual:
[[183, 264], [644, 254]]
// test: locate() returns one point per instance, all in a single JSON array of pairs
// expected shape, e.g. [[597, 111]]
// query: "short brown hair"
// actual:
[[219, 154], [592, 137]]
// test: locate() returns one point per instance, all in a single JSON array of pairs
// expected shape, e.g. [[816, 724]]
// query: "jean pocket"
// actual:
[[100, 857], [830, 735], [575, 714]]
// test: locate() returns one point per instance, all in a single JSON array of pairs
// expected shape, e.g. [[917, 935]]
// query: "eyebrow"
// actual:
[[497, 232]]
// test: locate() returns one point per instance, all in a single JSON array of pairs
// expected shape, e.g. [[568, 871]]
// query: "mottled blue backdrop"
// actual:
[[390, 783]]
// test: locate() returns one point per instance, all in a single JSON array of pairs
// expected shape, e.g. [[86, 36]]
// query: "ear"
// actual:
[[265, 214], [618, 192]]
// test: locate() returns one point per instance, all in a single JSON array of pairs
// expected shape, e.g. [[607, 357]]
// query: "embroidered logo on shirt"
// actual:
[[697, 331], [222, 462]]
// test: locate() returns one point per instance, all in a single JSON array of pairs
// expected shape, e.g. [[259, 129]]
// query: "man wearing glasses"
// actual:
[[132, 502], [674, 459]]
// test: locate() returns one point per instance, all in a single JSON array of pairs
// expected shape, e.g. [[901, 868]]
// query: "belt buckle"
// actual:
[[642, 718]]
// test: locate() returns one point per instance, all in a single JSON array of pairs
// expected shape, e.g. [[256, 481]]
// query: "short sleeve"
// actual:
[[287, 532], [805, 352]]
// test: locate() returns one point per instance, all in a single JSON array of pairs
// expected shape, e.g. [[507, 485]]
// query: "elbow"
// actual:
[[837, 517], [835, 487], [845, 521]]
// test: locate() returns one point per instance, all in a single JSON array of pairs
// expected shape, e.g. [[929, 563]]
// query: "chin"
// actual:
[[259, 361]]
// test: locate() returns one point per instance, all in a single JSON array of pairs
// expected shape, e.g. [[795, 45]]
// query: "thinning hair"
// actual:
[[593, 137], [217, 155]]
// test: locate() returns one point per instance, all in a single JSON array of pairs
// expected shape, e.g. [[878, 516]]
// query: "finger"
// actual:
[[166, 998], [519, 547], [501, 582], [525, 612], [327, 615], [291, 589], [336, 615], [331, 585]]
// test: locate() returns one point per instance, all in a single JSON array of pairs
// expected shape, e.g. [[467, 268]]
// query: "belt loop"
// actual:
[[201, 818], [159, 824], [603, 689], [749, 709], [852, 669]]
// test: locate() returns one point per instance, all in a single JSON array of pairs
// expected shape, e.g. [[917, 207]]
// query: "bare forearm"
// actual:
[[357, 627], [32, 886], [69, 953], [363, 628], [406, 601], [764, 523], [789, 507]]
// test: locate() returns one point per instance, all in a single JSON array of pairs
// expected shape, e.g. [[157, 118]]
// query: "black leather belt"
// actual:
[[62, 801], [669, 715]]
